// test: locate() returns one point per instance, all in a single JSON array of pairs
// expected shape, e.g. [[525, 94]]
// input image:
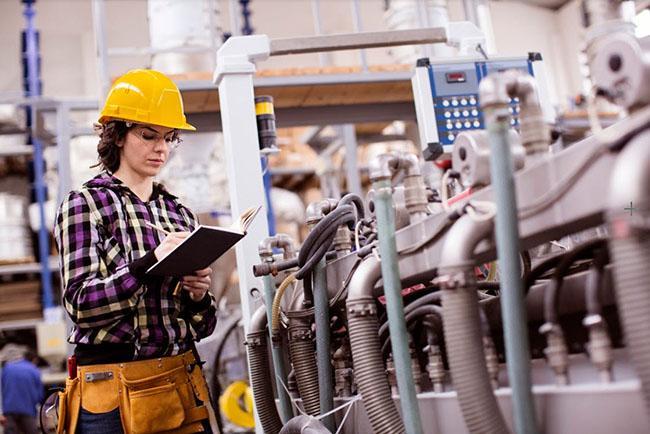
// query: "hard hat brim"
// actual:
[[185, 126]]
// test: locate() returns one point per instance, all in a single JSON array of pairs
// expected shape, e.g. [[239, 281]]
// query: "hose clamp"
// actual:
[[362, 309], [456, 279]]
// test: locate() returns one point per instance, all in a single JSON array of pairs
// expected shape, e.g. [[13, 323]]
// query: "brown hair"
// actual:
[[108, 151]]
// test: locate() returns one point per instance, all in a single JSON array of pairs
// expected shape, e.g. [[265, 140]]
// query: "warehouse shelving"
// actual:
[[28, 267], [64, 131]]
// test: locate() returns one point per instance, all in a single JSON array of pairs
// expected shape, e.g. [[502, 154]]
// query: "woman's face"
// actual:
[[145, 149]]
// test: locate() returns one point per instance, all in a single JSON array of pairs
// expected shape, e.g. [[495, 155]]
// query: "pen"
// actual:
[[177, 288], [153, 226]]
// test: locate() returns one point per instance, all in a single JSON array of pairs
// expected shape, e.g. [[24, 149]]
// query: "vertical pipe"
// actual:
[[34, 91], [324, 59], [349, 137], [469, 8], [485, 23], [512, 297], [394, 306], [276, 352], [235, 28], [358, 27], [99, 23], [266, 179], [323, 358]]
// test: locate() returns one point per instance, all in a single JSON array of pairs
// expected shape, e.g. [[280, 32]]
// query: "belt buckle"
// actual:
[[98, 376]]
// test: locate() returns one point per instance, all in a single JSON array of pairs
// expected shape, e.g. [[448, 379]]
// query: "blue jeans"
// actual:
[[107, 423], [100, 423]]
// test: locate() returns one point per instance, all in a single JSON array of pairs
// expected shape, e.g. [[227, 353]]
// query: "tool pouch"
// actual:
[[156, 403], [68, 407]]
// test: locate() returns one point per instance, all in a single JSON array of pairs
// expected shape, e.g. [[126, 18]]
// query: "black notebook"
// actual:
[[202, 247]]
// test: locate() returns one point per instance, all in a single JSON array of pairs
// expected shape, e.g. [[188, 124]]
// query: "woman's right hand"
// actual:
[[169, 243]]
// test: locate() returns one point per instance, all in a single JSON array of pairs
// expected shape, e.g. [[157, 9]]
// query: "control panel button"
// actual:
[[454, 102], [445, 103], [516, 109], [477, 124], [463, 101], [468, 124], [465, 113], [459, 125], [456, 114], [447, 115], [474, 112], [451, 137], [449, 125], [512, 121], [472, 100]]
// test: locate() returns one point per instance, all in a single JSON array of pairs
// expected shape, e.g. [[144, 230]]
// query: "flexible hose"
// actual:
[[632, 274], [304, 364], [275, 312], [554, 288], [469, 374], [354, 199], [432, 310], [595, 282], [369, 368], [258, 362]]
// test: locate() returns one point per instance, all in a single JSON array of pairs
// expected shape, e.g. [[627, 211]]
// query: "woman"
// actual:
[[134, 334]]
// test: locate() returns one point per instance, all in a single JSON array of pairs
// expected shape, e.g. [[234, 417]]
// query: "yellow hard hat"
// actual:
[[146, 96]]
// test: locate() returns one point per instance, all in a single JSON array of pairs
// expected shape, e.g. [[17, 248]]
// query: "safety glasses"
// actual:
[[150, 137]]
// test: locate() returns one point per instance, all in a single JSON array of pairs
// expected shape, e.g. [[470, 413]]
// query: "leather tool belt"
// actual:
[[165, 395]]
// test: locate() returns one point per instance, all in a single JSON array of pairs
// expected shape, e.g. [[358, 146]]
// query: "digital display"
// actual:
[[456, 77]]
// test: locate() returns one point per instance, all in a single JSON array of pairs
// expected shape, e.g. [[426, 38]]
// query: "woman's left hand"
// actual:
[[198, 283]]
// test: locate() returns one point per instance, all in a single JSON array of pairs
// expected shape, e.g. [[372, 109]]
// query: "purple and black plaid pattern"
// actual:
[[99, 231]]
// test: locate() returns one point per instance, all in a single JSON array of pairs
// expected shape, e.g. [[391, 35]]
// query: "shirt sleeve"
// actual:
[[202, 315], [91, 296]]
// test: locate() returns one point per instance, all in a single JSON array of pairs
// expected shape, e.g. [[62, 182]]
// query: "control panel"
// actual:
[[447, 101]]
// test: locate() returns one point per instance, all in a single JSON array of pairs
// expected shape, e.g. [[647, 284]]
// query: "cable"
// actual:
[[553, 289]]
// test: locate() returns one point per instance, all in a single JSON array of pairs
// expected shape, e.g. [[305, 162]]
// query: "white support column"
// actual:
[[234, 76]]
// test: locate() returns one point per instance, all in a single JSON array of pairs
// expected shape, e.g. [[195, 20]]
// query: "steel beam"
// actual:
[[355, 41]]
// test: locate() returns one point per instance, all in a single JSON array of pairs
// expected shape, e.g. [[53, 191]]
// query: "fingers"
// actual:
[[203, 272], [202, 286]]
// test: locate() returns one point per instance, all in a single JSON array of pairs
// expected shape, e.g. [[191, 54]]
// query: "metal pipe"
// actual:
[[279, 367], [394, 306], [353, 41], [265, 250], [34, 91], [358, 27], [630, 248], [535, 136], [494, 100], [323, 357]]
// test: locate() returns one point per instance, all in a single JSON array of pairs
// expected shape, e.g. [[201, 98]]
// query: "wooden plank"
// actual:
[[296, 96]]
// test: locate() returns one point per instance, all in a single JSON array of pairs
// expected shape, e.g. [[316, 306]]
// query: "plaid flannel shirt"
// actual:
[[105, 249]]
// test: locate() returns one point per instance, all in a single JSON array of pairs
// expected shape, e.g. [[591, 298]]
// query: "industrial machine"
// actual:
[[465, 312]]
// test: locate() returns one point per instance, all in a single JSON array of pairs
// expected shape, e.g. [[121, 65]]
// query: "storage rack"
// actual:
[[65, 131]]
